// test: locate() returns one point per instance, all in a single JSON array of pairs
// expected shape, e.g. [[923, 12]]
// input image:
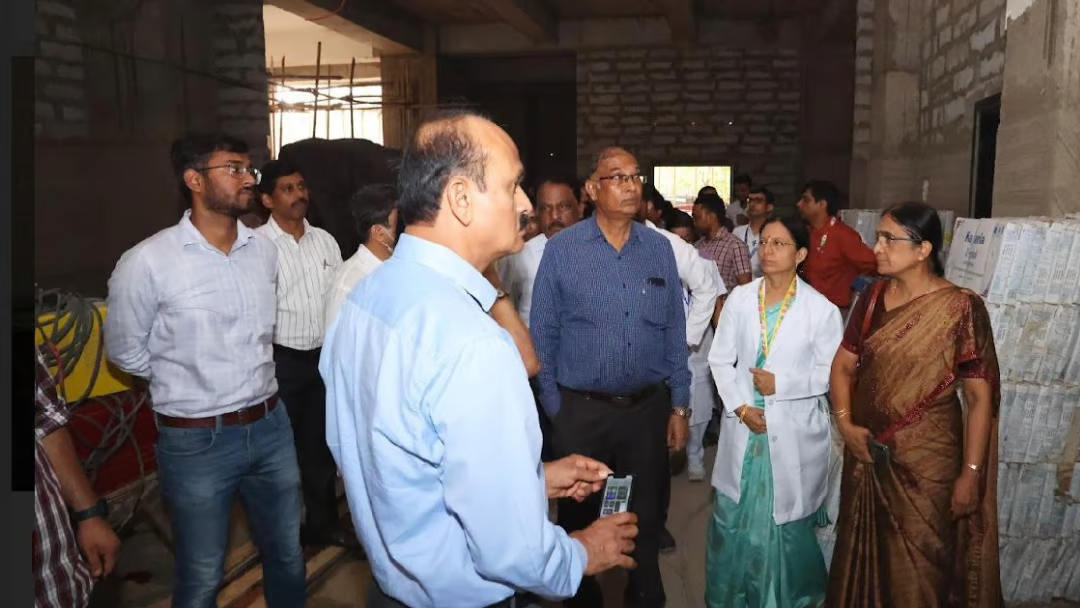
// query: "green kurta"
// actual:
[[750, 562]]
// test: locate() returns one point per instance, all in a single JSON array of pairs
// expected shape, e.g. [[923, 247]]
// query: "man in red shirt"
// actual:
[[837, 254]]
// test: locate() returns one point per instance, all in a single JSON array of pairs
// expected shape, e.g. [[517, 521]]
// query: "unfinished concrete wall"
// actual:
[[1038, 154], [706, 105], [59, 91], [927, 62], [963, 53], [116, 85]]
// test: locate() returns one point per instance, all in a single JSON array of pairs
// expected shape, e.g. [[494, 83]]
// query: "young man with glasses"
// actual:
[[759, 206], [191, 309]]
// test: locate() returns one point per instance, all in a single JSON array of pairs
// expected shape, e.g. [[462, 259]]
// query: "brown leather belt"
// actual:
[[241, 416], [620, 400]]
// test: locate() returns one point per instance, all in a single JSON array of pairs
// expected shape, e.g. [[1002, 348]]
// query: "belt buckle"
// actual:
[[243, 416], [622, 400]]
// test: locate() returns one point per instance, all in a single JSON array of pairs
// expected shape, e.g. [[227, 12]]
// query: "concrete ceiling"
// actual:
[[296, 39]]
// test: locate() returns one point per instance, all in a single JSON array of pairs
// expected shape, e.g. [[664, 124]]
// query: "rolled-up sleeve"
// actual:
[[493, 480], [129, 318], [544, 326]]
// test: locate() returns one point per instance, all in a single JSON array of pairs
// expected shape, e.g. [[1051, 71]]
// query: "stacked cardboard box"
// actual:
[[1028, 272]]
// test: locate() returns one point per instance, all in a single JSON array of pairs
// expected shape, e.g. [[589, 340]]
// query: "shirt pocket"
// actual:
[[655, 308]]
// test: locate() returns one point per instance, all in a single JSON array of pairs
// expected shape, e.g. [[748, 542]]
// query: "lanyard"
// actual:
[[825, 237], [767, 336], [746, 240]]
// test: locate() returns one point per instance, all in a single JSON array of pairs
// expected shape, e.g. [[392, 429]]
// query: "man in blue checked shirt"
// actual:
[[610, 330], [429, 412]]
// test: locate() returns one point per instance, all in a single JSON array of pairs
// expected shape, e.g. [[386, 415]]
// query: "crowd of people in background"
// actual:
[[483, 362]]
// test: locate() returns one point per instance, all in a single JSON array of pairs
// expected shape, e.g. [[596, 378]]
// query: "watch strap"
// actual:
[[100, 509]]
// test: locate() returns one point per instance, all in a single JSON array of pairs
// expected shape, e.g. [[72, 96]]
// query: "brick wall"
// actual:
[[864, 69], [59, 89], [703, 105], [963, 55], [243, 100]]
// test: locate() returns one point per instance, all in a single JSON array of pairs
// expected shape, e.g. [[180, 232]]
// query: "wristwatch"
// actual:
[[682, 412], [500, 294], [100, 509]]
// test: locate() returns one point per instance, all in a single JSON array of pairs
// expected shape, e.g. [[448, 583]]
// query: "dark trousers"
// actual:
[[631, 439], [302, 390]]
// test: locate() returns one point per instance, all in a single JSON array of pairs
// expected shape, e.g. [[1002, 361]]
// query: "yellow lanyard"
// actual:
[[767, 336]]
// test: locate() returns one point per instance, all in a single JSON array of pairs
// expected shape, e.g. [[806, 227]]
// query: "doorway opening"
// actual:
[[680, 184], [983, 153]]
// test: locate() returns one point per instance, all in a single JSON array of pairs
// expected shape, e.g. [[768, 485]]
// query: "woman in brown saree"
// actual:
[[918, 500]]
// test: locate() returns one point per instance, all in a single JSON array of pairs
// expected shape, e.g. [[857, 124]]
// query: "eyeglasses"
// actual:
[[237, 171], [770, 243], [620, 180], [884, 238]]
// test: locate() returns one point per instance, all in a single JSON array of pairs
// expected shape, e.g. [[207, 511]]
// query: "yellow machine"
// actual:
[[69, 329]]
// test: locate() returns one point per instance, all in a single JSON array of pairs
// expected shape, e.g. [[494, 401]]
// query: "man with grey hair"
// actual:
[[430, 416]]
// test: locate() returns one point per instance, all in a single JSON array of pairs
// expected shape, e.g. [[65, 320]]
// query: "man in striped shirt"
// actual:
[[307, 260], [62, 577]]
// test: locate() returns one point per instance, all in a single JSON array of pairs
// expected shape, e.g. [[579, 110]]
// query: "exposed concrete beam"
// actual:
[[390, 30], [532, 18], [681, 19], [365, 72], [498, 38]]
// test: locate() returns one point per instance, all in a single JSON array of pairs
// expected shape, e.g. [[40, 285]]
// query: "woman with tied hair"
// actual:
[[771, 359], [918, 498]]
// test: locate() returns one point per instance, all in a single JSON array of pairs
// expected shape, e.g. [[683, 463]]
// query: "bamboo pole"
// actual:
[[315, 113]]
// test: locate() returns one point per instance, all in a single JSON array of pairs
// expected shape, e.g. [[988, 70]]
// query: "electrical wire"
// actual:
[[64, 317], [336, 11]]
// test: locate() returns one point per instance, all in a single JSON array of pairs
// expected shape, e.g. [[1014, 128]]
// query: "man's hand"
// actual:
[[99, 545], [678, 429], [608, 542], [764, 382], [575, 477]]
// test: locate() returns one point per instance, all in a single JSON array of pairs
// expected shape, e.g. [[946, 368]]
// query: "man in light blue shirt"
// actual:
[[429, 413]]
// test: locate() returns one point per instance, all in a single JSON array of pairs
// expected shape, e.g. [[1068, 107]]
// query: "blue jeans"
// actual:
[[200, 470]]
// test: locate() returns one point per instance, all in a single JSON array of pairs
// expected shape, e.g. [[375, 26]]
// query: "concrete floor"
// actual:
[[145, 566]]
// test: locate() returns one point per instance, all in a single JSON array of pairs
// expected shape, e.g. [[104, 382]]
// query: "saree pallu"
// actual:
[[897, 544]]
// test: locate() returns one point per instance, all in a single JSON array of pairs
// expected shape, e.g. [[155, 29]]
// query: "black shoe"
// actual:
[[667, 541]]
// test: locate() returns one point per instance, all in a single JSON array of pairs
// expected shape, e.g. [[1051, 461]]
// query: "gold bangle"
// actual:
[[839, 414], [742, 413]]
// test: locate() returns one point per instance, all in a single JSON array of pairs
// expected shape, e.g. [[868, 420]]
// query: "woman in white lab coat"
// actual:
[[771, 360]]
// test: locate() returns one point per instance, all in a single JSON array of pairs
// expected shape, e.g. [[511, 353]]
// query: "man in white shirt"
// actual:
[[740, 193], [374, 208], [307, 258], [557, 206], [191, 310], [759, 206]]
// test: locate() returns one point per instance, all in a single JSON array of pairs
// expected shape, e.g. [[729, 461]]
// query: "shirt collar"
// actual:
[[192, 236], [593, 229], [276, 232], [447, 263]]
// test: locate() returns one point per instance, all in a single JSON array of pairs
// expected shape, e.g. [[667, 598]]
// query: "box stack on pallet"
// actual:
[[865, 221], [1028, 271]]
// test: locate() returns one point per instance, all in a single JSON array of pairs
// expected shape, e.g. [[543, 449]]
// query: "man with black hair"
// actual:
[[759, 206], [191, 309], [837, 254], [374, 209], [731, 255], [430, 414], [740, 197], [307, 259]]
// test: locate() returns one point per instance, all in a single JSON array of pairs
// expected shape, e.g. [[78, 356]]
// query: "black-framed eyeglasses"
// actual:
[[887, 239], [237, 171], [620, 180]]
